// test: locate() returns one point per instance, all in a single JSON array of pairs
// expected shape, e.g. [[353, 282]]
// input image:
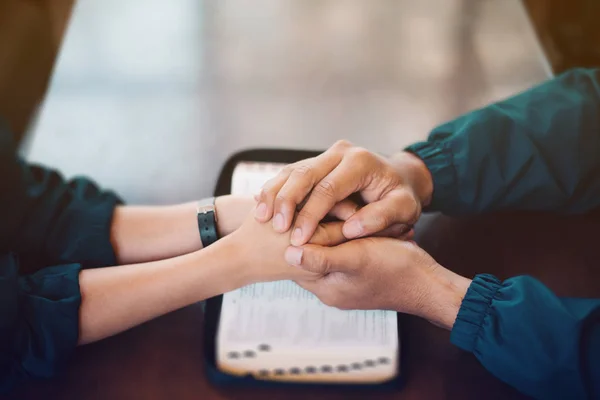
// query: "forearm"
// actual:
[[535, 151], [141, 234], [115, 299], [44, 316]]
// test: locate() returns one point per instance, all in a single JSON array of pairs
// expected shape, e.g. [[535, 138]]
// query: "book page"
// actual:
[[280, 331]]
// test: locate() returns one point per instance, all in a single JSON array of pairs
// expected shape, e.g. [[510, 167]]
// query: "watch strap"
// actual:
[[207, 223]]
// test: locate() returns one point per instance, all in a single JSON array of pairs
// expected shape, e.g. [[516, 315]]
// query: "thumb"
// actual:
[[397, 207], [324, 260]]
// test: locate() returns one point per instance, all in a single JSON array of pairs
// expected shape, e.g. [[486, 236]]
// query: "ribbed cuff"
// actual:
[[473, 310], [438, 160]]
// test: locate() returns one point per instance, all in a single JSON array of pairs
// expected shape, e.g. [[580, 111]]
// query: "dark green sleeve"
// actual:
[[545, 346], [538, 150], [50, 229], [48, 220], [39, 320]]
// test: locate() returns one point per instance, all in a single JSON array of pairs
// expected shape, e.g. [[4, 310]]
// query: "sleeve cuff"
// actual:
[[439, 160], [82, 234], [473, 310], [41, 315]]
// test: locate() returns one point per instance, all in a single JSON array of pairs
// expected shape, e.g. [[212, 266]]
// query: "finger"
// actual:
[[344, 210], [409, 236], [298, 185], [341, 211], [397, 207], [344, 180], [266, 197], [394, 231], [323, 260], [329, 234]]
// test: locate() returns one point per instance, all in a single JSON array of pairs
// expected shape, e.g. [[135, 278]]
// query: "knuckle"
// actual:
[[320, 236], [342, 144], [382, 220], [360, 153], [288, 169], [357, 151], [303, 171], [408, 207], [325, 235], [387, 219], [306, 215], [325, 189], [361, 158], [321, 262]]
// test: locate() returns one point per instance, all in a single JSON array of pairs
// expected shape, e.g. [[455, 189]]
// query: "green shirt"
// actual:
[[539, 150], [49, 230]]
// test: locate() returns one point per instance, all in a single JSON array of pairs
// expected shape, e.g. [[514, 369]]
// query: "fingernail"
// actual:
[[293, 256], [352, 229], [278, 223], [297, 237], [261, 211]]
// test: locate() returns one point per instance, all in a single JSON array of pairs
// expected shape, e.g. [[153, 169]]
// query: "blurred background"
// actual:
[[150, 97], [569, 31]]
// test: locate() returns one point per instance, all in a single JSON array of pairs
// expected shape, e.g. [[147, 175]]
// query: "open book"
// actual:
[[279, 331]]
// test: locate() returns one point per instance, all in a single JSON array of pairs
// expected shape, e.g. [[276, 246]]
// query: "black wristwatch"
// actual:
[[207, 221]]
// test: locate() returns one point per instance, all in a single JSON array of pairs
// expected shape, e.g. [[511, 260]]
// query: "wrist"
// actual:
[[445, 295], [414, 170], [231, 212], [233, 266]]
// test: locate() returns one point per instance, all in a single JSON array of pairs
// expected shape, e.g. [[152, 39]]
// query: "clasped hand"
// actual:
[[364, 265]]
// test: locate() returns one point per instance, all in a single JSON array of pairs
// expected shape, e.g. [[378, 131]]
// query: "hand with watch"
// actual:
[[148, 233], [200, 266], [221, 215]]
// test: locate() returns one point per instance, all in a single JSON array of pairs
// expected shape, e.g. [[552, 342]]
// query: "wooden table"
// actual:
[[163, 358], [151, 97]]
